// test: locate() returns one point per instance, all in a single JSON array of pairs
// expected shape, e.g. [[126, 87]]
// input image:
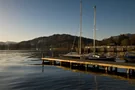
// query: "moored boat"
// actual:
[[72, 55], [77, 55], [101, 57], [95, 56], [129, 57]]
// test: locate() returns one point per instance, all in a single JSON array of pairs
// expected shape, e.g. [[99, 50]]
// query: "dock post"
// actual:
[[133, 72], [42, 61], [115, 70], [111, 68], [50, 62], [53, 62], [60, 63], [106, 69], [128, 73], [71, 65], [96, 67], [86, 67], [42, 67]]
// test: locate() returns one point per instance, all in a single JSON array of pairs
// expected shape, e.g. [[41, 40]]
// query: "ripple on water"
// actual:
[[18, 72]]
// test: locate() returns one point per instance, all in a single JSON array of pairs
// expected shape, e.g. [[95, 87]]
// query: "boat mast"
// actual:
[[80, 26], [94, 32]]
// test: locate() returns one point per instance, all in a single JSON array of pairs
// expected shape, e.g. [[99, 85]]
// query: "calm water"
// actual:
[[19, 70]]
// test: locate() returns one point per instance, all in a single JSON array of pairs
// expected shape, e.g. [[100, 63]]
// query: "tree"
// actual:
[[122, 37], [125, 42], [132, 40]]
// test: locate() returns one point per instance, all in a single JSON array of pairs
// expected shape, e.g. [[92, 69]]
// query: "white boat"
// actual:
[[72, 55]]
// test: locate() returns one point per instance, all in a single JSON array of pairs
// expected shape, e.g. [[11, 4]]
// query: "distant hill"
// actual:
[[55, 41], [123, 39], [2, 43], [66, 41], [5, 45], [7, 42]]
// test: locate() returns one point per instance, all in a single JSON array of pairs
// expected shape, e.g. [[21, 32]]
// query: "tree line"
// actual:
[[67, 41]]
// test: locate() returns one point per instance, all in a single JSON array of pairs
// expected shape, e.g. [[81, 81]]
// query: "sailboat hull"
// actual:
[[102, 59], [73, 55]]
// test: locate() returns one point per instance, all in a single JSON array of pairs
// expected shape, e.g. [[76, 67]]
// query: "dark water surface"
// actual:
[[19, 70]]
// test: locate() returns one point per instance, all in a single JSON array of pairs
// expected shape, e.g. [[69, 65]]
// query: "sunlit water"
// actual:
[[20, 70]]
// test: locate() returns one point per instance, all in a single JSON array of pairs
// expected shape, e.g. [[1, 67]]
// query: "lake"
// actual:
[[22, 70]]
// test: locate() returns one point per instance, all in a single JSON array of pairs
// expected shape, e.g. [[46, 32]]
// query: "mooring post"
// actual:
[[106, 69], [53, 62], [50, 62], [42, 61], [71, 65], [94, 66], [86, 67], [115, 70], [128, 73], [42, 67], [111, 68], [133, 72], [97, 67], [60, 63]]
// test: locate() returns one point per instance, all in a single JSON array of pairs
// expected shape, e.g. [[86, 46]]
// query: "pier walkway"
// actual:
[[108, 66]]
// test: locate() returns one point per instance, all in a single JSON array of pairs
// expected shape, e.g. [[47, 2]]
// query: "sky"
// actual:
[[28, 19]]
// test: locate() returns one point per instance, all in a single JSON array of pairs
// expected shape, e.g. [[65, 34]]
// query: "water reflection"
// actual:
[[98, 73], [42, 67]]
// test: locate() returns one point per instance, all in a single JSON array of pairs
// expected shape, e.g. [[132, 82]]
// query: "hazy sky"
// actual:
[[27, 19]]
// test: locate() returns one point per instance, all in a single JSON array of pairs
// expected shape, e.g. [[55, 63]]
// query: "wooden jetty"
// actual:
[[108, 66]]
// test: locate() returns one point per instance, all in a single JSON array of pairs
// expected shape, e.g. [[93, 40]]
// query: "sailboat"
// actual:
[[95, 56], [76, 54]]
